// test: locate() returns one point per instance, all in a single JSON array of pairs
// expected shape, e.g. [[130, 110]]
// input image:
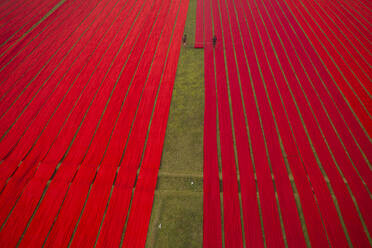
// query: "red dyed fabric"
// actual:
[[199, 25], [84, 177], [144, 193], [212, 234], [287, 66], [56, 153], [20, 20], [84, 103], [139, 96], [69, 115]]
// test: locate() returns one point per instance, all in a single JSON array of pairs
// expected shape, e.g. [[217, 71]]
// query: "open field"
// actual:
[[114, 134]]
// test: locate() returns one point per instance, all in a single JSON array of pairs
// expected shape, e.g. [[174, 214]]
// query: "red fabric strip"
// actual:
[[212, 227], [199, 24]]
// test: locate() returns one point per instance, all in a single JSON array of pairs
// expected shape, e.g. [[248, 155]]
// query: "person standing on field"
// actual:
[[184, 39], [214, 40]]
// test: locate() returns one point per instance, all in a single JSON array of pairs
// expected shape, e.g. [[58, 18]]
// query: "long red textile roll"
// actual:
[[199, 25]]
